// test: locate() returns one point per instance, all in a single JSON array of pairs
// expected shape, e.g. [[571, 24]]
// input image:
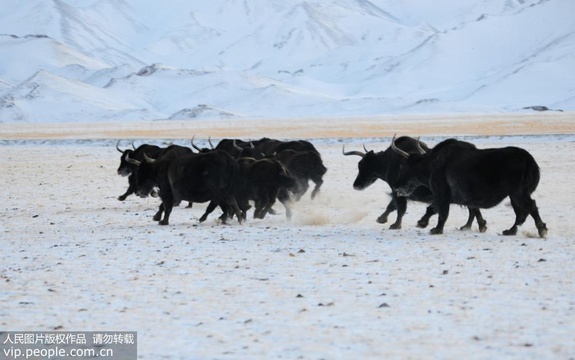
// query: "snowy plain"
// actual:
[[331, 283]]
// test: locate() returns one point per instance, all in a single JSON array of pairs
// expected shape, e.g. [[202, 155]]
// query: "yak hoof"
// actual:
[[314, 193], [483, 227], [395, 226], [543, 231], [164, 222], [382, 219], [422, 224], [436, 231], [121, 198], [510, 232]]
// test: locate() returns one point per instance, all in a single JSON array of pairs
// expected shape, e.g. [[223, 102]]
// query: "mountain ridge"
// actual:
[[258, 58]]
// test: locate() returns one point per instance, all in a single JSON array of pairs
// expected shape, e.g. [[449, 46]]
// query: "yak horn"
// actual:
[[398, 150], [359, 153], [133, 161], [210, 142], [118, 147], [148, 159], [236, 145], [419, 148], [194, 146]]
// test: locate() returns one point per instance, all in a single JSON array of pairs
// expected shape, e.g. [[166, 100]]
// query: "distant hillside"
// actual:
[[103, 60]]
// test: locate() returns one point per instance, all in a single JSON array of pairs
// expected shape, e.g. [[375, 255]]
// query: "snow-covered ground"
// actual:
[[332, 283]]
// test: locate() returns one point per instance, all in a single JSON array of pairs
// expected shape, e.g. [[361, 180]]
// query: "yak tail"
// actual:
[[532, 175], [318, 164], [323, 169]]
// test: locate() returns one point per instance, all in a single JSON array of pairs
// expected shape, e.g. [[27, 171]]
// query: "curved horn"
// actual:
[[364, 148], [398, 150], [133, 161], [359, 153], [133, 146], [236, 145], [252, 144], [210, 142], [148, 159], [193, 145], [419, 148], [118, 147]]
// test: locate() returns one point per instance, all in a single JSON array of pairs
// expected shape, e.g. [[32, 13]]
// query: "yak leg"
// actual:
[[230, 206], [168, 206], [401, 203], [474, 213], [523, 207], [131, 188], [270, 198], [258, 209], [300, 188], [128, 192], [391, 207], [470, 219], [211, 206], [268, 205], [443, 212], [244, 206], [158, 215], [287, 205], [424, 221], [260, 206], [520, 217], [233, 204], [318, 183], [534, 212], [480, 221], [284, 198], [225, 213], [304, 187], [441, 202]]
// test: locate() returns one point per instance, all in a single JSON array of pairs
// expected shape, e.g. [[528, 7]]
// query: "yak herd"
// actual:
[[229, 175], [235, 173]]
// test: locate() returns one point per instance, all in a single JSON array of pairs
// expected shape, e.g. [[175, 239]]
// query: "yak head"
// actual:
[[411, 171], [145, 176], [370, 167], [126, 168]]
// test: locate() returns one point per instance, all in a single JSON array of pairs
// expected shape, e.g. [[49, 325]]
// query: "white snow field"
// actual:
[[331, 283]]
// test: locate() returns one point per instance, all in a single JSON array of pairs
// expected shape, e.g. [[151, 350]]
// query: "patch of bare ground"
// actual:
[[373, 126]]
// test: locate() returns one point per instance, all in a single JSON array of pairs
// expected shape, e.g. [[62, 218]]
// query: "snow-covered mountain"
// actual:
[[106, 60]]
